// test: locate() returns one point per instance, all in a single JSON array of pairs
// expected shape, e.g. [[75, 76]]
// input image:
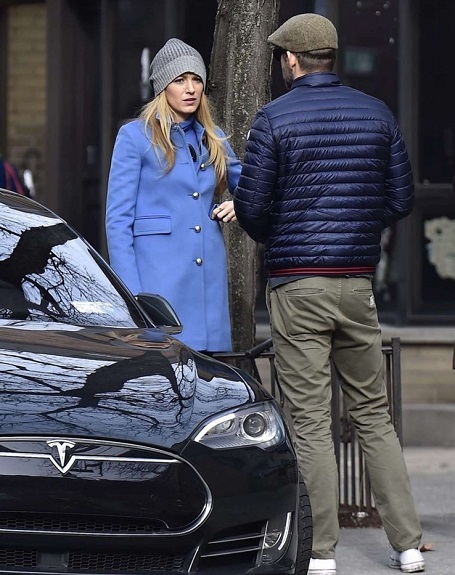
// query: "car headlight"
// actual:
[[259, 425]]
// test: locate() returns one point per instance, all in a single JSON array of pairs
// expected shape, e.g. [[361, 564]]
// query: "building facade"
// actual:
[[71, 71]]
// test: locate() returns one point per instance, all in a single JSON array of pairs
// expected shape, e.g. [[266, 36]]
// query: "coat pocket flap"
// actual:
[[152, 225]]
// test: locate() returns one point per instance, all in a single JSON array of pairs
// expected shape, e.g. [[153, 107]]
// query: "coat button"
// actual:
[[202, 167], [199, 261], [197, 229], [195, 195]]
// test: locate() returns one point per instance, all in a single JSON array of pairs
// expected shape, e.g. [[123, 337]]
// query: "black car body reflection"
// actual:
[[121, 449]]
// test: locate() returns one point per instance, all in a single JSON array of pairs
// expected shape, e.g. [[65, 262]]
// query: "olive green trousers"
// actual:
[[315, 319]]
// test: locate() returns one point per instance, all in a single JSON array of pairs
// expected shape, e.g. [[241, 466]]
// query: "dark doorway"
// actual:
[[74, 113]]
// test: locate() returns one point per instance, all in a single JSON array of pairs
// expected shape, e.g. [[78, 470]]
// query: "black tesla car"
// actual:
[[122, 451]]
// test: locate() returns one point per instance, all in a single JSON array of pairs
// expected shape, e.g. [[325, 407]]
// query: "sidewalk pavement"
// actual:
[[365, 551]]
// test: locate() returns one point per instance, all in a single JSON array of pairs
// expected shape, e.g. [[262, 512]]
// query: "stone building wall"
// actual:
[[26, 90]]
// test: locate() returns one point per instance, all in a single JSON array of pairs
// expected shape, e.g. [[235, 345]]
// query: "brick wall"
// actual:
[[26, 90]]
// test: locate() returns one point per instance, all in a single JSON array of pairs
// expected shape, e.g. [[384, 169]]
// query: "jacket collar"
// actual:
[[316, 80], [197, 127]]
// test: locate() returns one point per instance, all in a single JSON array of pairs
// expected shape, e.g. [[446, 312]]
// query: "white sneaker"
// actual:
[[409, 561], [322, 567]]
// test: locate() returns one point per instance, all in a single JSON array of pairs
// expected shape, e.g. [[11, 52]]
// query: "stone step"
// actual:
[[426, 363], [428, 425]]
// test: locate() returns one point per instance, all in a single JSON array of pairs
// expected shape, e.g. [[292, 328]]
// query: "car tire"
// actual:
[[305, 527]]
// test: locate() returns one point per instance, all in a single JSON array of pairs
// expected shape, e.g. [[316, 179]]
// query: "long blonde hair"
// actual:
[[159, 117]]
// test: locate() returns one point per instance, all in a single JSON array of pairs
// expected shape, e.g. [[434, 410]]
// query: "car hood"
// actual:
[[124, 384]]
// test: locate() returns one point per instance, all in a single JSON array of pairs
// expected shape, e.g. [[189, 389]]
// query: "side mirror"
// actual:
[[160, 312]]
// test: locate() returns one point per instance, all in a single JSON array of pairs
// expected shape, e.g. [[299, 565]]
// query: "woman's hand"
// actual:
[[224, 212]]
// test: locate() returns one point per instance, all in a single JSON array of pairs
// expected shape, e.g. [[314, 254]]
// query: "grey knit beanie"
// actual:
[[174, 59]]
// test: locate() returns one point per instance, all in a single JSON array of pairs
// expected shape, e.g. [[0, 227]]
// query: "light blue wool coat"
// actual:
[[159, 232]]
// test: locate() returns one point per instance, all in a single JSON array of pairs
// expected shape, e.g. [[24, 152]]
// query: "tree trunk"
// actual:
[[239, 85]]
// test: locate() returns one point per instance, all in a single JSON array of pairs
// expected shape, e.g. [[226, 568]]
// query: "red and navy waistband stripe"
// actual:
[[323, 271]]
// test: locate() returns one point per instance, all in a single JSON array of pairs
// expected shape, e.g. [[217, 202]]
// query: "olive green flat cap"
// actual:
[[304, 33]]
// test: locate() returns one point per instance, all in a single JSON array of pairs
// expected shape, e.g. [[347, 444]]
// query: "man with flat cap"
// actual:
[[325, 171]]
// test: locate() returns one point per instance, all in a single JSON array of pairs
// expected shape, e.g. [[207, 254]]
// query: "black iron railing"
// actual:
[[357, 507]]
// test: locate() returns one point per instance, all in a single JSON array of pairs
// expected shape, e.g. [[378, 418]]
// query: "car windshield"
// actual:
[[48, 273]]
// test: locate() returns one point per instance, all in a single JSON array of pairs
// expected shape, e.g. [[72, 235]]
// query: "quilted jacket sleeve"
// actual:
[[253, 195], [399, 186]]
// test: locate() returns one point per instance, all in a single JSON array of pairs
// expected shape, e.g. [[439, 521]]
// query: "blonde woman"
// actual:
[[169, 168]]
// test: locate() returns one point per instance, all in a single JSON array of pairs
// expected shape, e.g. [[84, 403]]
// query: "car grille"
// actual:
[[75, 524], [105, 488], [84, 506], [123, 563], [235, 547], [83, 562], [123, 505], [17, 558]]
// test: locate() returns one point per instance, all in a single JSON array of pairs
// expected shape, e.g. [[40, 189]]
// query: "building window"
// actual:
[[437, 112]]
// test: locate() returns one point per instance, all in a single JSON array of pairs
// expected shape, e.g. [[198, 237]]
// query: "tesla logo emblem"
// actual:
[[64, 463]]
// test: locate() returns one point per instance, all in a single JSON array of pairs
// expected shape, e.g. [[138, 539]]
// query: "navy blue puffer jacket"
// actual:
[[325, 171]]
